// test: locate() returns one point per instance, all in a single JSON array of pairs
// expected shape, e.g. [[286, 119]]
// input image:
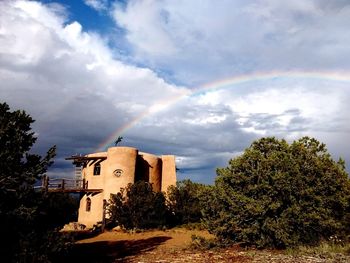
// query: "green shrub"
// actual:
[[280, 195], [194, 226], [202, 243], [138, 206], [185, 200]]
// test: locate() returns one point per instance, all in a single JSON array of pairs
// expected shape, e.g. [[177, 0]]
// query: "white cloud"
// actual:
[[98, 5], [144, 22], [41, 45], [198, 40]]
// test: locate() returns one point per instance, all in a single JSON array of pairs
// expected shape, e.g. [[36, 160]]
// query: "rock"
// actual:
[[117, 229], [73, 226]]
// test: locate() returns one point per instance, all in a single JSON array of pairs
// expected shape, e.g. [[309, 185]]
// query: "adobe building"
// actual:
[[105, 173]]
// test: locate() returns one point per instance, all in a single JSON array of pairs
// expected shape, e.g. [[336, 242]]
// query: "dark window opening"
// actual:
[[97, 169], [88, 204]]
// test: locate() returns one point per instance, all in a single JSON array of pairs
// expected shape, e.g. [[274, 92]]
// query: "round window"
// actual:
[[118, 172]]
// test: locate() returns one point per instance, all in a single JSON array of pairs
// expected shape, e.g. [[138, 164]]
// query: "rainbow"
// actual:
[[339, 76]]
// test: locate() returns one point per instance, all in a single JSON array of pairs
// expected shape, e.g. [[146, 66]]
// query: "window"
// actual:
[[97, 169], [118, 172], [88, 204]]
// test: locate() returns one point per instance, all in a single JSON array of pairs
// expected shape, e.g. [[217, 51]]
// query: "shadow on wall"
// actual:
[[142, 170], [110, 251]]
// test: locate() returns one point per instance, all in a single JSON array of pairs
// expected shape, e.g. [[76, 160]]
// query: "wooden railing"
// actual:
[[66, 185]]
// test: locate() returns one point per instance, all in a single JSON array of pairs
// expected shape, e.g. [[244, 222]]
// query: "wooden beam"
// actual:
[[85, 158], [79, 190]]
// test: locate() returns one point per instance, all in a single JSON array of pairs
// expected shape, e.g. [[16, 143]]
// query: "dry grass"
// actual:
[[175, 246], [325, 250]]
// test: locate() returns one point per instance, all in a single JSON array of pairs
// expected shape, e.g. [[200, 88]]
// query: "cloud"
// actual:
[[98, 5], [197, 41], [144, 22], [68, 80], [71, 82]]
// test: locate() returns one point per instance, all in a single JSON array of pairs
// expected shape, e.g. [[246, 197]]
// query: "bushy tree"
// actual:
[[59, 209], [26, 233], [138, 206], [278, 195], [185, 201]]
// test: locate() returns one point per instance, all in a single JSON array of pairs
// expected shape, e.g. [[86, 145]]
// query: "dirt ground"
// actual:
[[173, 246]]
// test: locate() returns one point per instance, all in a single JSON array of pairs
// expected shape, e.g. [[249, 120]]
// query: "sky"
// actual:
[[198, 79]]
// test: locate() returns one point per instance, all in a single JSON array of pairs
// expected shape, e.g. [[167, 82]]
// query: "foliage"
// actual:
[[58, 209], [193, 226], [280, 195], [26, 223], [138, 206], [185, 201], [202, 243]]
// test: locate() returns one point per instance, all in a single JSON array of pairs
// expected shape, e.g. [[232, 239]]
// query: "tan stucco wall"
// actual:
[[93, 181], [168, 171], [95, 214], [160, 172], [123, 158], [89, 218]]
